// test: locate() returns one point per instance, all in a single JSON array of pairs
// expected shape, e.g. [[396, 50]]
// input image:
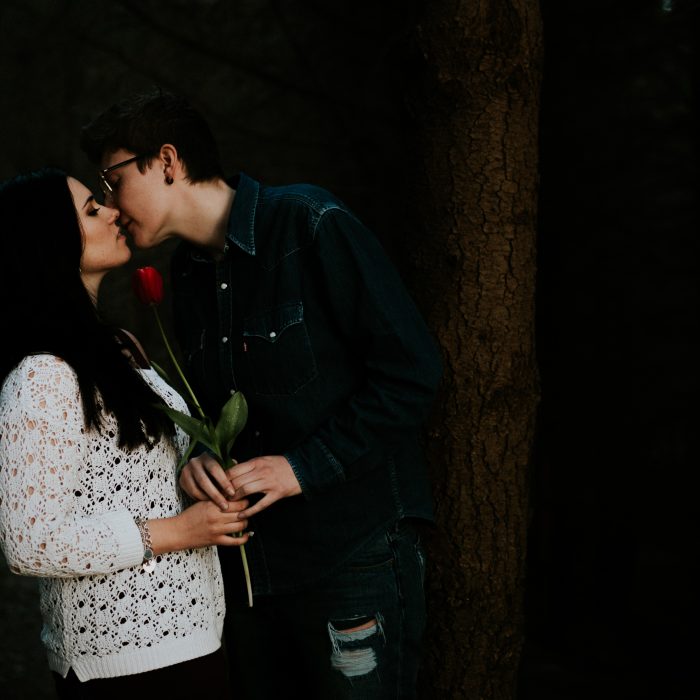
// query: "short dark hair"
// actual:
[[48, 310], [141, 123]]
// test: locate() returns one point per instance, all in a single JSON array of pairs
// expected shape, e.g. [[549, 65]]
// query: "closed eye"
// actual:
[[91, 202]]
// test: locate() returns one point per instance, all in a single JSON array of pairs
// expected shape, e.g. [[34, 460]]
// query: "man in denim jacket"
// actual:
[[283, 294]]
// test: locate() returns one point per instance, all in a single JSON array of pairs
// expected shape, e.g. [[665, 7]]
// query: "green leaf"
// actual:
[[232, 420], [196, 429], [161, 372], [186, 455]]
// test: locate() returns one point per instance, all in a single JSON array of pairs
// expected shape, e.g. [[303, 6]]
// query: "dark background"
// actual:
[[613, 560], [317, 91]]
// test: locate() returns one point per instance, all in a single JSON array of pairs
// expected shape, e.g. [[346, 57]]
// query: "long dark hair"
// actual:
[[47, 309]]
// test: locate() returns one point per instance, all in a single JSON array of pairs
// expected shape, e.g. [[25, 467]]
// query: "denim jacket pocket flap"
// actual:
[[270, 325]]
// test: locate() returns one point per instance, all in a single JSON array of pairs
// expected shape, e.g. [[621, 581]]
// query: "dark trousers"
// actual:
[[294, 645], [184, 681]]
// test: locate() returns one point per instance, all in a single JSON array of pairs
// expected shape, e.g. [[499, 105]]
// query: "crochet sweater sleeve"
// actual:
[[43, 448]]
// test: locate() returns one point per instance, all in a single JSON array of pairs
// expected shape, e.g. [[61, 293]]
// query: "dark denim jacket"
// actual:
[[308, 318]]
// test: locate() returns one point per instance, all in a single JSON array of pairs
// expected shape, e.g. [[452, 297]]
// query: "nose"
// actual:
[[113, 214]]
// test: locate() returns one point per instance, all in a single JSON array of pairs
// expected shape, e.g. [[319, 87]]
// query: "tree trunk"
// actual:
[[474, 274]]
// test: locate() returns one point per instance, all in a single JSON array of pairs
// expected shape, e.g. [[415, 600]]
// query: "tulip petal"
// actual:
[[148, 285]]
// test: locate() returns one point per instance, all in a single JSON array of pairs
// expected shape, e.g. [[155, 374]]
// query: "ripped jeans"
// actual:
[[300, 644]]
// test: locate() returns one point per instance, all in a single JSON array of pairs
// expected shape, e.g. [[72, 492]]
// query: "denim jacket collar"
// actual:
[[241, 222]]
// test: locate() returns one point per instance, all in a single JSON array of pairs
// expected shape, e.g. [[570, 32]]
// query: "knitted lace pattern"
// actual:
[[68, 500]]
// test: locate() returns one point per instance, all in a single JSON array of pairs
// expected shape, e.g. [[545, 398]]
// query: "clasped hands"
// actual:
[[203, 479]]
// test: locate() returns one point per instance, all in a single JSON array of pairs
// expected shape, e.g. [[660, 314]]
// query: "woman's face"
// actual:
[[104, 247]]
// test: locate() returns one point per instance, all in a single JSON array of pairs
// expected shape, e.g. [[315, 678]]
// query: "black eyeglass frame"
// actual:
[[106, 188]]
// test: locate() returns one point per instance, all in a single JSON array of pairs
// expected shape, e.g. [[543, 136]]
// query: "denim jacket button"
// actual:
[[224, 285], [273, 334], [224, 339]]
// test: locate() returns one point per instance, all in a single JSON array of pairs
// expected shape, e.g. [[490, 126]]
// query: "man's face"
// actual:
[[143, 199]]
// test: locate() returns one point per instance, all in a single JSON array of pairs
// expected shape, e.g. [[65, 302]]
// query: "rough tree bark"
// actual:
[[474, 274]]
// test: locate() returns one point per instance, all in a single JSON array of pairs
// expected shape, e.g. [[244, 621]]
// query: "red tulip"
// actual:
[[148, 285]]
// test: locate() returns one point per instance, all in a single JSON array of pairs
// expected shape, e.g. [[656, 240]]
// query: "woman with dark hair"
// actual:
[[131, 591]]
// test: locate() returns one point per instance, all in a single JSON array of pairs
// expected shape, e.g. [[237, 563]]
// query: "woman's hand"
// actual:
[[203, 478], [201, 525]]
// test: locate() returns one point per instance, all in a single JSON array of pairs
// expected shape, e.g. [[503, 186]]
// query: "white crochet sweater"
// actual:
[[68, 500]]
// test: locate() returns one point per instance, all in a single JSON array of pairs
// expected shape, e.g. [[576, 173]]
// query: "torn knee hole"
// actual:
[[355, 643], [354, 662], [357, 625]]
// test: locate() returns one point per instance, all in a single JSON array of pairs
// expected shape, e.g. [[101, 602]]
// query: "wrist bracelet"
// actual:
[[149, 561]]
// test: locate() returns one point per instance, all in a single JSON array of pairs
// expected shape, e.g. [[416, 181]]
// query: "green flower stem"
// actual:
[[229, 463], [175, 362], [244, 559], [224, 459]]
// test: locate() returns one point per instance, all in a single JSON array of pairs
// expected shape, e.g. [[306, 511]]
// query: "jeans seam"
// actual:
[[393, 538]]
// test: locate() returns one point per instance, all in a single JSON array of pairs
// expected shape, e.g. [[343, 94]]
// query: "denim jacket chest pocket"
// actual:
[[278, 350]]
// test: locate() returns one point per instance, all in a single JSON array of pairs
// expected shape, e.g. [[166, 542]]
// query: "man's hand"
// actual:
[[204, 479], [272, 476]]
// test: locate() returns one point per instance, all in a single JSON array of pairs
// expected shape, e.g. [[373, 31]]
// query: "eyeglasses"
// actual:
[[106, 188]]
